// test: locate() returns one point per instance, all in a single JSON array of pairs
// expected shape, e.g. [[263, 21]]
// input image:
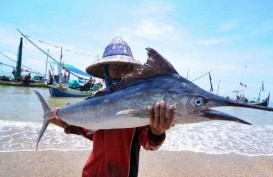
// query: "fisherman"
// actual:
[[116, 151]]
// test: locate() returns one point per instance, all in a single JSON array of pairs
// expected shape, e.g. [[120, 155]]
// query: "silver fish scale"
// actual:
[[100, 112]]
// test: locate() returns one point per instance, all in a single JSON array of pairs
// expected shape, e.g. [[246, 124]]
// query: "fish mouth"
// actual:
[[217, 115], [216, 101]]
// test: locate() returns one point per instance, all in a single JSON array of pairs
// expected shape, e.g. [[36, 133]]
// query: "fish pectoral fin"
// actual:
[[133, 113]]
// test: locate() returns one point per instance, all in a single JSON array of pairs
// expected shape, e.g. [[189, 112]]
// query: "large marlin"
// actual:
[[126, 106]]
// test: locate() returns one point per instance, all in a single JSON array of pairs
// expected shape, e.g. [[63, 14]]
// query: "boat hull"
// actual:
[[21, 84], [58, 92], [262, 103]]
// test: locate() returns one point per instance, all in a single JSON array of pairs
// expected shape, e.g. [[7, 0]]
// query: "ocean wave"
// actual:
[[221, 138], [215, 137]]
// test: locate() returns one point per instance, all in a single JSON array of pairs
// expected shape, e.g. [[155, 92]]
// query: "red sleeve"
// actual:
[[79, 131], [148, 140]]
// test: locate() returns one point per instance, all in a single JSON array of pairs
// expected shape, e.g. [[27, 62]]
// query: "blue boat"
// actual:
[[68, 92], [64, 87], [64, 91]]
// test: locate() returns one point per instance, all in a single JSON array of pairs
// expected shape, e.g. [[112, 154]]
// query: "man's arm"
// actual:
[[68, 129]]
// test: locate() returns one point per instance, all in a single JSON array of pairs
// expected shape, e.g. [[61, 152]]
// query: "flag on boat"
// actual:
[[243, 85]]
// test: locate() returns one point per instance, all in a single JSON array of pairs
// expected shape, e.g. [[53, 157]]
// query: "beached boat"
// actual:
[[18, 79], [22, 84]]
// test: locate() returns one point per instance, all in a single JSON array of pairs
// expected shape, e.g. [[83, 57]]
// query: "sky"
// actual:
[[231, 39]]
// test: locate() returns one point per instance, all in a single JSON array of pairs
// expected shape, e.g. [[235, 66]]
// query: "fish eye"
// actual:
[[199, 101]]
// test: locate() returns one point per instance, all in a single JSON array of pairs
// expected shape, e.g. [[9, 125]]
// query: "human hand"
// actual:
[[159, 123], [53, 118]]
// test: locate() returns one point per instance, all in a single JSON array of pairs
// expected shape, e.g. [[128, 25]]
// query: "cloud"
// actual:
[[159, 9], [227, 27], [9, 36], [214, 41], [151, 29], [153, 21]]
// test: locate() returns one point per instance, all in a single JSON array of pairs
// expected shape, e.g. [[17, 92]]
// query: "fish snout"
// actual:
[[217, 115]]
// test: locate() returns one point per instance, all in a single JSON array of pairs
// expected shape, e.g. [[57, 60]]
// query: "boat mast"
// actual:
[[46, 63], [241, 83], [259, 95], [60, 66], [218, 87], [19, 61], [210, 80], [261, 90]]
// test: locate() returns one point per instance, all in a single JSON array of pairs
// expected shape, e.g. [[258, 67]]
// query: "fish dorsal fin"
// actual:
[[156, 65]]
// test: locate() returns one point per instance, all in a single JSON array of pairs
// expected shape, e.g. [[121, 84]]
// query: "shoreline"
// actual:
[[152, 164]]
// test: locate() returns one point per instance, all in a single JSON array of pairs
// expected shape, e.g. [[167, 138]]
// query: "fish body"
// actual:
[[126, 107]]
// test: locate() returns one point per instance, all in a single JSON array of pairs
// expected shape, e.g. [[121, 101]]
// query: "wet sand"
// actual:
[[152, 164]]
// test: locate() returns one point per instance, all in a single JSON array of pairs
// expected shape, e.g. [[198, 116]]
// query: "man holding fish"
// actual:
[[116, 151], [111, 117]]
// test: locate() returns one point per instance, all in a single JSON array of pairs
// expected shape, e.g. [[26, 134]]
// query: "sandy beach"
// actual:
[[152, 164]]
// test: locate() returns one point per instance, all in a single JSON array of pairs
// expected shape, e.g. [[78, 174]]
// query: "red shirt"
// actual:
[[116, 151]]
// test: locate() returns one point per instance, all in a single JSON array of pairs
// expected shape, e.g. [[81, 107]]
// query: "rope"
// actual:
[[6, 65], [27, 38], [79, 53], [38, 47], [7, 57], [15, 62], [201, 76], [1, 69]]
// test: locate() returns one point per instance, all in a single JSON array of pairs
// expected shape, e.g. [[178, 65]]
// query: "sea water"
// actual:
[[21, 120]]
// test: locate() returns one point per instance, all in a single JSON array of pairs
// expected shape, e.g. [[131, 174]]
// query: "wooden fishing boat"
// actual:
[[264, 102], [18, 79], [65, 91]]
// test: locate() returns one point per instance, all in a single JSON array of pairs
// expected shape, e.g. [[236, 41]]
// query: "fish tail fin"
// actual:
[[46, 111]]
